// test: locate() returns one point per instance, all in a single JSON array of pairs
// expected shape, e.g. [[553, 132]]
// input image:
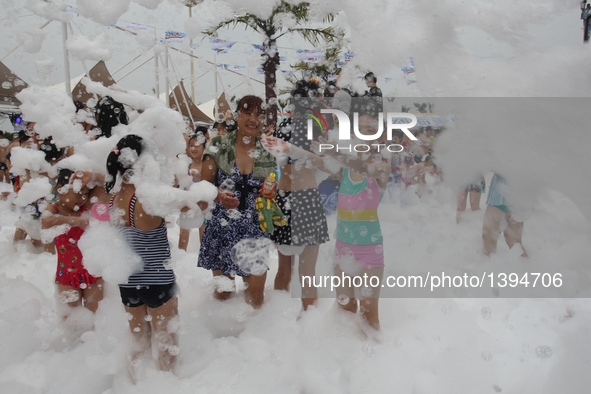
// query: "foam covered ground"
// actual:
[[445, 345]]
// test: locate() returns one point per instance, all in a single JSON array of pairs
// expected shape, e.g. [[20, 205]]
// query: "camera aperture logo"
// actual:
[[394, 121]]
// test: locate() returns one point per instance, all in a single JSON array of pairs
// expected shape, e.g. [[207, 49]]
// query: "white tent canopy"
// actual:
[[73, 82], [207, 107]]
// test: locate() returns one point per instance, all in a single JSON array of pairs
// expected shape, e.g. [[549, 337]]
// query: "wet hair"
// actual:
[[304, 96], [63, 177], [230, 125], [110, 113], [51, 151], [302, 88], [247, 104], [200, 129], [397, 133], [250, 103], [218, 123], [79, 106], [116, 166], [22, 136], [330, 89], [199, 136], [372, 76]]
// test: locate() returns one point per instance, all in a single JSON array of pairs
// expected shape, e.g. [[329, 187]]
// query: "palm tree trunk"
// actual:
[[270, 67]]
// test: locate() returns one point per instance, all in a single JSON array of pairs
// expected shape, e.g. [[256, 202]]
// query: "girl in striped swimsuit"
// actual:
[[149, 296]]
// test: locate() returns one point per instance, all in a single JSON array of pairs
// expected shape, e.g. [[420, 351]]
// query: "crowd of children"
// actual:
[[239, 159]]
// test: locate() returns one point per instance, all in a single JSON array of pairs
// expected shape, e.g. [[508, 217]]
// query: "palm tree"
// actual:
[[329, 67], [271, 30]]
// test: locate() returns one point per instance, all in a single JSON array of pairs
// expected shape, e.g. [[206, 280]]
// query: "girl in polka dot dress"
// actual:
[[359, 247]]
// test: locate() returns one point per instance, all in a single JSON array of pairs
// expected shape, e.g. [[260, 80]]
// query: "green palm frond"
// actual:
[[271, 29], [300, 11], [248, 20], [315, 35]]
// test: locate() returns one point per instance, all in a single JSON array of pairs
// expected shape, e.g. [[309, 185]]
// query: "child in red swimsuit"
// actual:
[[75, 285]]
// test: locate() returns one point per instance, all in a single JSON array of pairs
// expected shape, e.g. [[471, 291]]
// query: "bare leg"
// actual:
[[307, 267], [369, 304], [513, 234], [254, 294], [139, 326], [221, 295], [475, 200], [19, 235], [345, 295], [462, 197], [93, 294], [140, 329], [70, 296], [49, 248], [165, 334], [283, 277], [184, 238], [201, 230], [491, 228]]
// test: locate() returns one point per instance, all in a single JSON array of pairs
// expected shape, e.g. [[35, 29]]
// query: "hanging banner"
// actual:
[[69, 8], [137, 26], [235, 67], [263, 49], [309, 56], [174, 36], [347, 57], [409, 71], [221, 46]]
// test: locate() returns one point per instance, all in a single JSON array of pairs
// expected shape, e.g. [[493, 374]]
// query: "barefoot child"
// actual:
[[149, 296], [475, 190], [359, 245], [74, 284], [195, 148]]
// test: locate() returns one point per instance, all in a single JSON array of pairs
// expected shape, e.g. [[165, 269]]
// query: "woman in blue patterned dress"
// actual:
[[237, 158]]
